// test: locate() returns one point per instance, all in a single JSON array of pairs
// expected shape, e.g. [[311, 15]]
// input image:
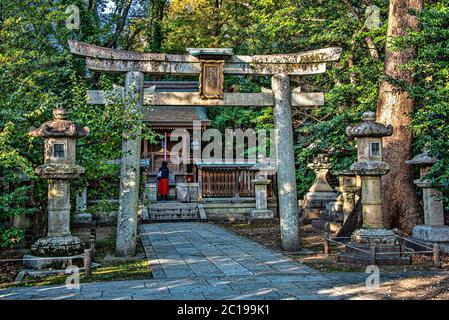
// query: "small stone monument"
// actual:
[[81, 216], [370, 167], [320, 193], [433, 230], [261, 212], [348, 186], [59, 167], [337, 211]]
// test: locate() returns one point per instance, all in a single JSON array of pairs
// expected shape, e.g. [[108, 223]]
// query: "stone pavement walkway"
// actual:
[[193, 261], [199, 250]]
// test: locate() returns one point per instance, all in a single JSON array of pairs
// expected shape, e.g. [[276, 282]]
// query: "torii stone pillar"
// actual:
[[130, 171], [288, 202]]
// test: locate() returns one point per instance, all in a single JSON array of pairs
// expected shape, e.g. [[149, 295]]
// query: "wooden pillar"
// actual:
[[200, 185], [286, 177], [130, 171]]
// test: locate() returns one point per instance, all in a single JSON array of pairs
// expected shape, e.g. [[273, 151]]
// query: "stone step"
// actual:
[[175, 211]]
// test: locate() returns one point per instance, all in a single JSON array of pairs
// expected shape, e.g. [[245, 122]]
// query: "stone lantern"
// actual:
[[320, 193], [370, 167], [433, 230], [59, 168]]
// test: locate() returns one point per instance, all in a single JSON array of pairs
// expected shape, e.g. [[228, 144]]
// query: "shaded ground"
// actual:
[[312, 242], [105, 245], [429, 285]]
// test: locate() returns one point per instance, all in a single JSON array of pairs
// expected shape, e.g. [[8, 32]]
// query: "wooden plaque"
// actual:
[[211, 79]]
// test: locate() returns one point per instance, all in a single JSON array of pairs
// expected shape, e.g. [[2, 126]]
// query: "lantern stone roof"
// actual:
[[59, 127], [421, 159], [369, 127], [172, 117]]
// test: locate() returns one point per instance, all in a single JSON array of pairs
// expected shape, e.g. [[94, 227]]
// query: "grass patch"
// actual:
[[124, 271]]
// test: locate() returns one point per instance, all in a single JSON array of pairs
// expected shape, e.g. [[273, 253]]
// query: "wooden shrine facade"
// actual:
[[205, 181]]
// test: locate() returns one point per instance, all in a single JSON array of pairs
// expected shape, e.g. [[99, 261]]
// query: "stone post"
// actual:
[[130, 171], [81, 215], [81, 201], [433, 229], [58, 208], [286, 177], [348, 187], [261, 211]]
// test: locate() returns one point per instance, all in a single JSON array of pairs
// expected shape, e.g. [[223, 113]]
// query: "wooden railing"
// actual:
[[230, 183]]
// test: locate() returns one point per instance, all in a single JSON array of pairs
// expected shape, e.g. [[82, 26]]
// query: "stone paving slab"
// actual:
[[193, 261], [177, 250], [213, 288]]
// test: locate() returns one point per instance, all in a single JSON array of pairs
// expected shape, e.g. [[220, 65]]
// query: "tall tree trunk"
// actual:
[[400, 203], [120, 18], [157, 16], [1, 12]]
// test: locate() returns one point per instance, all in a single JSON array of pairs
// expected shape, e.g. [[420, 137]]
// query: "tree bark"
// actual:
[[157, 16], [374, 53], [400, 203], [120, 18]]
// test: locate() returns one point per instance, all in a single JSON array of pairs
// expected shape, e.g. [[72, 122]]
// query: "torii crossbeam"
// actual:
[[211, 64]]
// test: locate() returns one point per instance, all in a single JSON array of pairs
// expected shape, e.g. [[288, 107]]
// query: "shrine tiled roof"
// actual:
[[174, 116], [180, 116]]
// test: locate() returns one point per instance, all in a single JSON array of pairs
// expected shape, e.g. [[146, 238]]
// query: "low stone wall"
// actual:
[[233, 210]]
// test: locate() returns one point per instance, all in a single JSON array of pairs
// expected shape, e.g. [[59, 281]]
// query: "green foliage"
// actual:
[[10, 236], [38, 74], [269, 27], [431, 88]]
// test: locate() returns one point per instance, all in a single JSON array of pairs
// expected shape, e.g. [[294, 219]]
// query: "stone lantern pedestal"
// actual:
[[320, 193], [59, 168], [373, 236], [261, 212], [433, 230]]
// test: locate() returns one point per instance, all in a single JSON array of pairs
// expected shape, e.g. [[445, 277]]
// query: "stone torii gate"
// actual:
[[211, 65]]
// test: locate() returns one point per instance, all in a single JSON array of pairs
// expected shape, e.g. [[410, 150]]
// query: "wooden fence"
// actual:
[[230, 183]]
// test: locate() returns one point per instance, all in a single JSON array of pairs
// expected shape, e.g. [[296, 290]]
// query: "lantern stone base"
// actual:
[[315, 202], [45, 251], [388, 251], [46, 263], [373, 236], [57, 246], [429, 235]]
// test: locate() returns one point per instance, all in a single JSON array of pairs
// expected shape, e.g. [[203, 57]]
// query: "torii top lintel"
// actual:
[[112, 60]]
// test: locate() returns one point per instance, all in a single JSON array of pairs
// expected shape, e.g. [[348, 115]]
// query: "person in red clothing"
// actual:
[[162, 177]]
